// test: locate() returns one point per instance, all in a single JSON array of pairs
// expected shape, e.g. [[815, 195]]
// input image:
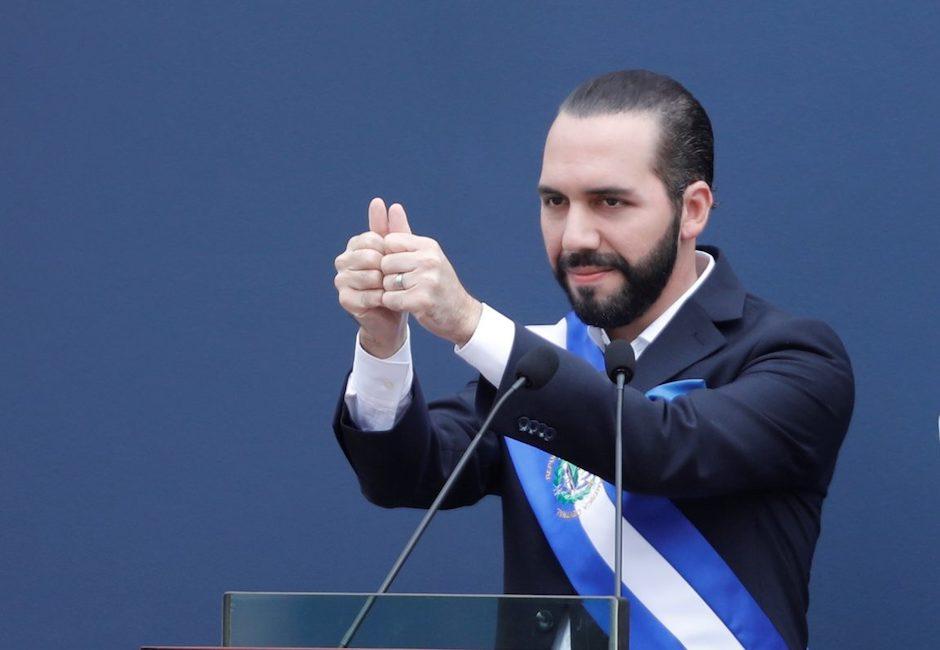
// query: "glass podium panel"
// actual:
[[442, 622]]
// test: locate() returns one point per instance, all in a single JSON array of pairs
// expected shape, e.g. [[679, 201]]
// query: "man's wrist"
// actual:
[[383, 348], [469, 323], [489, 348], [380, 349]]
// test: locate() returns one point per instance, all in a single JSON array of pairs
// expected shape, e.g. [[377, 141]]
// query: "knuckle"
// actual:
[[352, 280], [364, 241], [360, 259]]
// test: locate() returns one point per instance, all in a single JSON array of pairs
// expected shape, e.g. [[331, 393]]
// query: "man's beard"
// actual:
[[643, 282]]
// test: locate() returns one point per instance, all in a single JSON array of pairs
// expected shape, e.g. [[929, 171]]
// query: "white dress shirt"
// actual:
[[379, 390]]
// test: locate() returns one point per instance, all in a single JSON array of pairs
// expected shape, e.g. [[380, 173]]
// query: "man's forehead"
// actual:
[[607, 144]]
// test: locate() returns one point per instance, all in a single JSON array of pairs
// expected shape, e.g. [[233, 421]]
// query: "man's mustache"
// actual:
[[591, 258]]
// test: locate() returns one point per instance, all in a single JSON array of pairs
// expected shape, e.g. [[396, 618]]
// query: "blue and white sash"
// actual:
[[682, 593]]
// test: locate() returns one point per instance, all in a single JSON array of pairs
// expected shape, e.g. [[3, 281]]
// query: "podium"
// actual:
[[423, 621]]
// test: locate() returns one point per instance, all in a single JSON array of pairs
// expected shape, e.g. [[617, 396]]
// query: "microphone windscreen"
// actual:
[[619, 357], [538, 366]]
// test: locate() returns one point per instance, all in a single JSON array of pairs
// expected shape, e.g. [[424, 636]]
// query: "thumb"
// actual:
[[397, 219], [378, 217]]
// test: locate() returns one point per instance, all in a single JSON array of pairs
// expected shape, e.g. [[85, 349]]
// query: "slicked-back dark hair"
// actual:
[[686, 147]]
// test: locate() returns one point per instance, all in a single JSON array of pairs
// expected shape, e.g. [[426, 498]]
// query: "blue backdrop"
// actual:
[[176, 179]]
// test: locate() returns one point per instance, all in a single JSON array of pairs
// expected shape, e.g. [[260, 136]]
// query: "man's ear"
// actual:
[[697, 202]]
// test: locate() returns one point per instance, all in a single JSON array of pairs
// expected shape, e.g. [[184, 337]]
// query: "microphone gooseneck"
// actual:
[[534, 370], [619, 362]]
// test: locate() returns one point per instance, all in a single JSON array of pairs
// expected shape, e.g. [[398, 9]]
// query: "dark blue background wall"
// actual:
[[176, 179]]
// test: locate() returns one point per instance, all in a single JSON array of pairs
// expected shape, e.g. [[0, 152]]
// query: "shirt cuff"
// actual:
[[379, 390], [489, 348]]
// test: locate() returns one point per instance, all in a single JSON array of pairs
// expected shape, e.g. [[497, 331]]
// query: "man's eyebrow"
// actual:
[[611, 190]]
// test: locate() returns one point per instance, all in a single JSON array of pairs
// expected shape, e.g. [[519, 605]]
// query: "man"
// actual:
[[731, 425]]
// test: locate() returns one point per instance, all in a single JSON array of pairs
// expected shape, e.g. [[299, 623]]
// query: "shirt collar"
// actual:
[[703, 261]]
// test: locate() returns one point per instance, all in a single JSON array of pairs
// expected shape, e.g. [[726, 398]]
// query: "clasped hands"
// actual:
[[388, 272]]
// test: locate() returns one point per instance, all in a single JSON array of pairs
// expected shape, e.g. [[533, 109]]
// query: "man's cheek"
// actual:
[[552, 241], [552, 254]]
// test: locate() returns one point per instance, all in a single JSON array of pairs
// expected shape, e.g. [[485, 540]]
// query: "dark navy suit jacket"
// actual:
[[748, 461]]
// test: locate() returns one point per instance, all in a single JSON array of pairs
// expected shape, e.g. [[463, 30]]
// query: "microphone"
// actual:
[[535, 369], [619, 362], [619, 358], [538, 366]]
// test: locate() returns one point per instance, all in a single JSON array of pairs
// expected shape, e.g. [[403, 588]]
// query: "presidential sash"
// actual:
[[682, 594]]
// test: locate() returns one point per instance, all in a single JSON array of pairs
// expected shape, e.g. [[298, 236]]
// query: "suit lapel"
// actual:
[[692, 334]]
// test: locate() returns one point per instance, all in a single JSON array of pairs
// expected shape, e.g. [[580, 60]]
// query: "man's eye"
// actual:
[[612, 202], [553, 201]]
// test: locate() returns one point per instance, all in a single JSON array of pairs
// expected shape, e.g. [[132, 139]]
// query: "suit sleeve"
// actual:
[[408, 464], [778, 425]]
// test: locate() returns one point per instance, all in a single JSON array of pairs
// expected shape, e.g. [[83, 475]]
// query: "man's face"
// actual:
[[610, 230]]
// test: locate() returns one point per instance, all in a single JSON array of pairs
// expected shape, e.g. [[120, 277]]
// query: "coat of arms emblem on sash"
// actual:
[[574, 488]]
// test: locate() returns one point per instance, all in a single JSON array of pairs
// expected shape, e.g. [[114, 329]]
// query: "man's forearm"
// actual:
[[379, 390]]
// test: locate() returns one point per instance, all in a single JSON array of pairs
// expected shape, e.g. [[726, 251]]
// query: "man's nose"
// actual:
[[580, 230]]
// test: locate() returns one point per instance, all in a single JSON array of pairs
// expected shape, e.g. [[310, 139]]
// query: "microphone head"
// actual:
[[619, 357], [538, 366]]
